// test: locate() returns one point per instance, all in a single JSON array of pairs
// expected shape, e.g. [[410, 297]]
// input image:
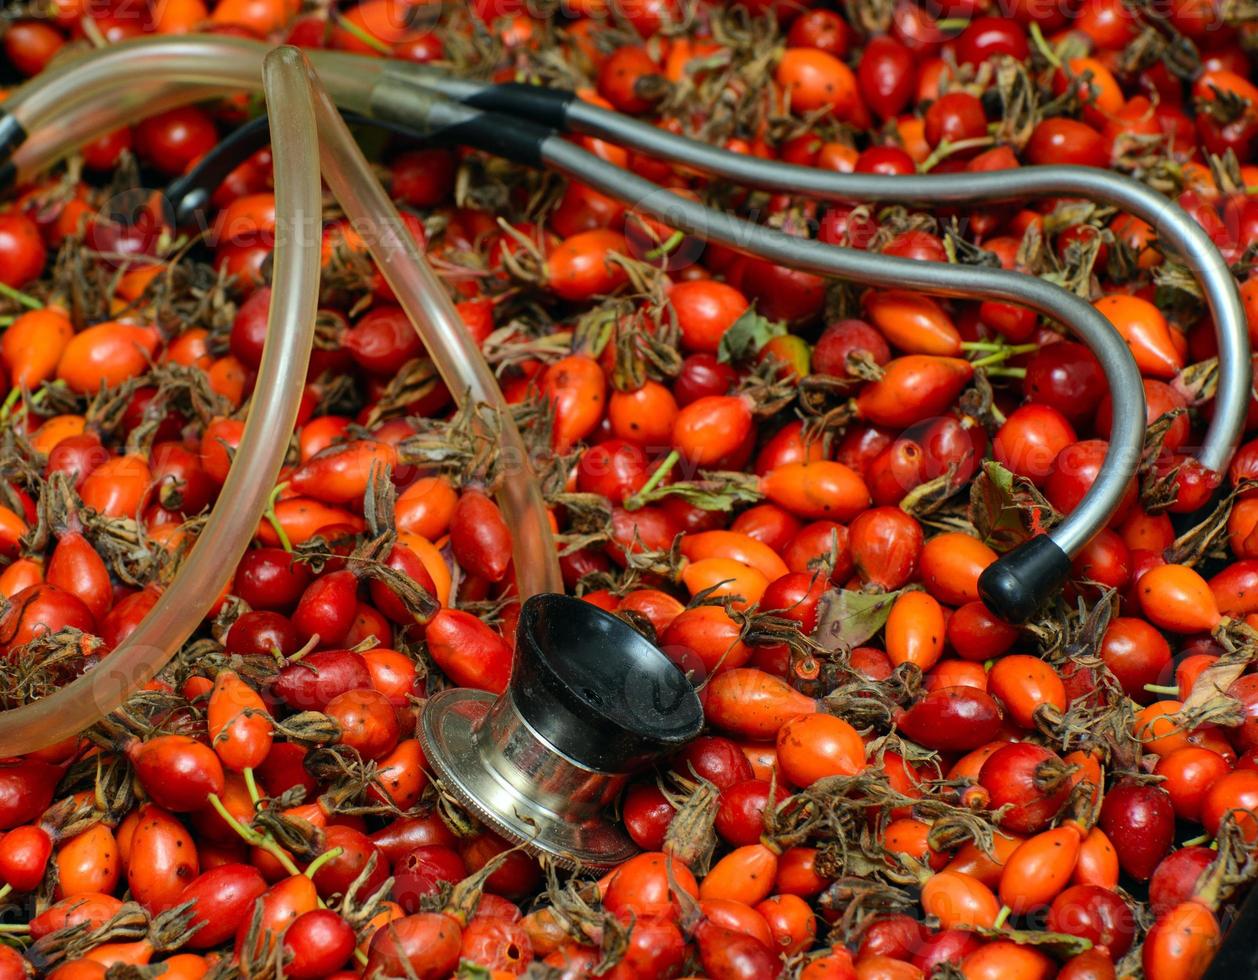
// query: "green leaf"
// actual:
[[846, 619], [1007, 509], [746, 336], [1059, 944], [715, 490]]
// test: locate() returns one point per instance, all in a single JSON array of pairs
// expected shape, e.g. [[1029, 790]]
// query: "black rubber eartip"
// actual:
[[596, 689], [1015, 585], [12, 135]]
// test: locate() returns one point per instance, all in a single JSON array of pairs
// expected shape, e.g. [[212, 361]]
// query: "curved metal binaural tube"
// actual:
[[1172, 224], [1025, 586], [216, 59], [1018, 582]]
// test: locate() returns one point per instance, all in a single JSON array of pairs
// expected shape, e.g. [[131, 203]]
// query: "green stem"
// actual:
[[4, 892], [274, 521], [991, 359], [1046, 49], [1005, 911], [1196, 841], [665, 248], [661, 471], [321, 860], [1002, 352], [252, 785], [370, 40], [1162, 689], [1004, 372], [30, 302], [41, 396], [253, 838], [16, 929], [946, 149], [982, 345]]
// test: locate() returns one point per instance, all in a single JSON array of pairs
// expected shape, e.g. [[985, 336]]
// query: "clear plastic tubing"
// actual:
[[228, 64], [56, 140], [206, 64], [277, 395], [458, 360], [115, 87]]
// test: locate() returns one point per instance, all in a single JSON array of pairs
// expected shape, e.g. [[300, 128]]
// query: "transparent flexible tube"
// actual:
[[58, 138], [1172, 224], [450, 345], [277, 395], [228, 63]]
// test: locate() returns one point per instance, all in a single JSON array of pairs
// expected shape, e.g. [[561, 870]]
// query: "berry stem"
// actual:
[[274, 520], [655, 479], [252, 785], [1002, 352], [253, 838], [664, 249], [322, 859], [25, 299]]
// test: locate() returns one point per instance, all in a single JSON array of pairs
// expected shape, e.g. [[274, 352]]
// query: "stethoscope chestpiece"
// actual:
[[590, 702]]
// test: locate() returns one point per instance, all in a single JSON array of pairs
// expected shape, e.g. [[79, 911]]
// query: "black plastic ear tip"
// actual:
[[12, 135], [188, 207], [1018, 583]]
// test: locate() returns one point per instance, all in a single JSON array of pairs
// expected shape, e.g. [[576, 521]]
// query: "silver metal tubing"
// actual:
[[1016, 584], [1171, 223], [937, 278]]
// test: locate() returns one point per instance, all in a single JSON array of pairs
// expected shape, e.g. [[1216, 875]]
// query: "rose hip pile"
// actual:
[[791, 484]]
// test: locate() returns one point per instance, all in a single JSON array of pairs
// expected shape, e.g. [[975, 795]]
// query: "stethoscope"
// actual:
[[71, 104]]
